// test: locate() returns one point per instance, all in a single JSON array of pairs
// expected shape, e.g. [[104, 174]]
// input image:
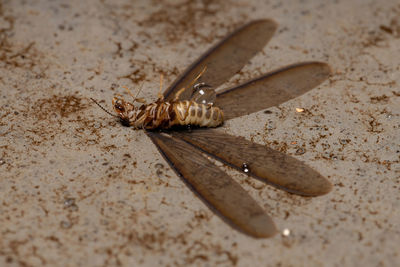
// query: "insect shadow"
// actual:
[[191, 100]]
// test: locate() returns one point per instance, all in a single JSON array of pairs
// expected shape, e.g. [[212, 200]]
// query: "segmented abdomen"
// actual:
[[192, 113], [164, 115]]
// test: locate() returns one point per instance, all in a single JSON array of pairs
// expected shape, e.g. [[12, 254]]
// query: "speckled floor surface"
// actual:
[[79, 189]]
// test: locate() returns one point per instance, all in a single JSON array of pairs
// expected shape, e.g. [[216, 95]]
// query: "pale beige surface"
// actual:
[[77, 188]]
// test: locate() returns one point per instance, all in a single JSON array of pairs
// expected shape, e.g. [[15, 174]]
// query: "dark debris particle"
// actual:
[[386, 29], [379, 99]]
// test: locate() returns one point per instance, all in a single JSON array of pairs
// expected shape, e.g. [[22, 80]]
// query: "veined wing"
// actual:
[[266, 164], [226, 58], [271, 89], [215, 186]]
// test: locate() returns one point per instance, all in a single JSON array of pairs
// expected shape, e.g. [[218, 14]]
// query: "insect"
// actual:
[[187, 151], [162, 114]]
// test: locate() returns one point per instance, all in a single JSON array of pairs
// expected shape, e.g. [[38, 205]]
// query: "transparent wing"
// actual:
[[271, 89], [215, 186], [266, 164], [226, 58]]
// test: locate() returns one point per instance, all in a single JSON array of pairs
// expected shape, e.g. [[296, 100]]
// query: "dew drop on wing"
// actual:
[[245, 168], [203, 94]]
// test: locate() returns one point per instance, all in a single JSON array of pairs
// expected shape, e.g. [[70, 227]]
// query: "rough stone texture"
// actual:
[[77, 188]]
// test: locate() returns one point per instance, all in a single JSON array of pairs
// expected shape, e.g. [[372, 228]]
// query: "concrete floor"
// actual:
[[79, 189]]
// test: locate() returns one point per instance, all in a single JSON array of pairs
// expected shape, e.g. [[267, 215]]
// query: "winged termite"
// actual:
[[184, 150], [165, 114]]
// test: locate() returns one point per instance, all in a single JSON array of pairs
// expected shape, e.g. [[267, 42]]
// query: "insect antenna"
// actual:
[[105, 110]]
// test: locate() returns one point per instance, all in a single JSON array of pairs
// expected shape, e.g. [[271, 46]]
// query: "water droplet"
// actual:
[[300, 151], [197, 87], [245, 168], [286, 232], [189, 128], [2, 161], [69, 202], [388, 116], [203, 94], [65, 224]]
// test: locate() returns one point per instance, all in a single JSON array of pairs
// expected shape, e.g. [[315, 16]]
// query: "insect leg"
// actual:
[[179, 93]]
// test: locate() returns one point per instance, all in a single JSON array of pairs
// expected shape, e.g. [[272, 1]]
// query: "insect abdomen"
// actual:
[[193, 113]]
